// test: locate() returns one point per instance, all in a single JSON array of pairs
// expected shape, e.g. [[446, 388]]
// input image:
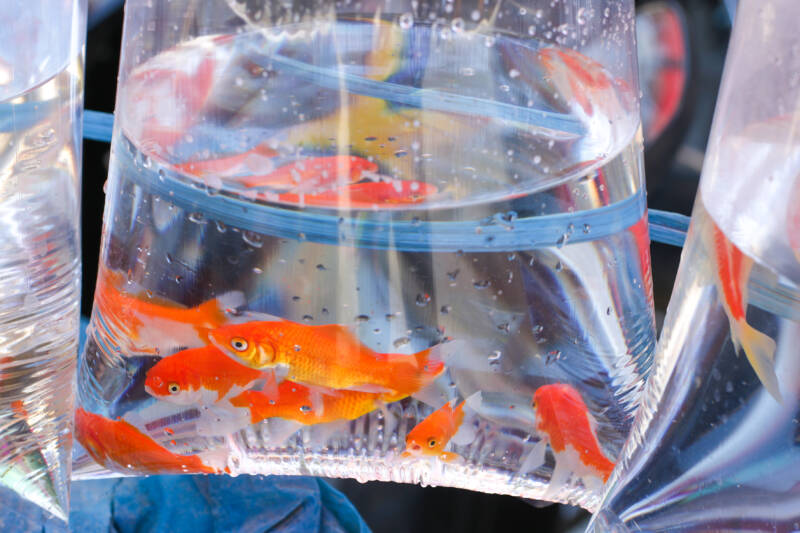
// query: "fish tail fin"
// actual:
[[213, 311], [760, 351], [427, 361]]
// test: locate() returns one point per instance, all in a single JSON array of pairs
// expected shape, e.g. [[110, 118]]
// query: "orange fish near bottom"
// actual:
[[431, 436], [564, 421], [120, 446], [301, 404]]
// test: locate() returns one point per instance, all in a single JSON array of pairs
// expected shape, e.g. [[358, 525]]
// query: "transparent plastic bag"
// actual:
[[361, 243], [41, 88], [714, 445]]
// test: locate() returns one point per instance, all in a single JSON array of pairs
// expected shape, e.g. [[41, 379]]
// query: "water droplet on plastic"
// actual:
[[305, 408], [453, 274], [178, 279], [308, 318], [559, 266], [197, 218], [446, 309], [360, 319], [252, 238], [406, 21], [295, 298], [481, 283], [400, 153], [297, 348], [321, 267], [552, 357], [495, 358], [423, 299], [401, 341]]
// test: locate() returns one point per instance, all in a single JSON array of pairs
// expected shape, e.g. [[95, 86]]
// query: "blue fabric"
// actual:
[[192, 504]]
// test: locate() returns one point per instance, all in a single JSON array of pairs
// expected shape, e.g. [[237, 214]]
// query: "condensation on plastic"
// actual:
[[522, 240], [714, 446], [41, 100]]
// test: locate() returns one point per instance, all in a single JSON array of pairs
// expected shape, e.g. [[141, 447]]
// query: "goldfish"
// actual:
[[297, 402], [574, 76], [149, 324], [312, 174], [325, 356], [199, 376], [432, 435], [117, 444], [366, 194], [565, 423], [732, 268], [256, 159]]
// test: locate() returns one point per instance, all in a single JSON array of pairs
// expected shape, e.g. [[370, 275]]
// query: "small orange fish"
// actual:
[[367, 194], [120, 446], [152, 323], [564, 420], [199, 376], [732, 273], [297, 402], [313, 174], [325, 356], [431, 436]]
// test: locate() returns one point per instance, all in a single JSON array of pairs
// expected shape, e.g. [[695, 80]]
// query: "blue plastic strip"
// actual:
[[665, 227], [97, 126]]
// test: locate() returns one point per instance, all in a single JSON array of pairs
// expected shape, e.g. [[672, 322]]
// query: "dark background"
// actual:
[[672, 180]]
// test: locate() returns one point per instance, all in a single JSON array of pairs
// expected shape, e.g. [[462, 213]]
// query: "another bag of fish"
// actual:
[[404, 245]]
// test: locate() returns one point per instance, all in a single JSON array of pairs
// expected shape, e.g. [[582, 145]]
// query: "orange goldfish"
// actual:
[[312, 174], [732, 268], [119, 445], [298, 402], [431, 436], [199, 376], [254, 160], [151, 323], [325, 356], [574, 75], [367, 194], [564, 420]]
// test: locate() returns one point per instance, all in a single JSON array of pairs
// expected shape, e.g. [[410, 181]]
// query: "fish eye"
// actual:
[[431, 443], [238, 344], [173, 388]]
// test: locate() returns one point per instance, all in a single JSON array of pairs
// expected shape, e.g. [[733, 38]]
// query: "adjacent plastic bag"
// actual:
[[715, 444], [41, 103], [405, 243]]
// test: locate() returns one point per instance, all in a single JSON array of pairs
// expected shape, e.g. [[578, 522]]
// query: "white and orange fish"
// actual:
[[199, 376], [151, 322], [732, 270], [564, 422]]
